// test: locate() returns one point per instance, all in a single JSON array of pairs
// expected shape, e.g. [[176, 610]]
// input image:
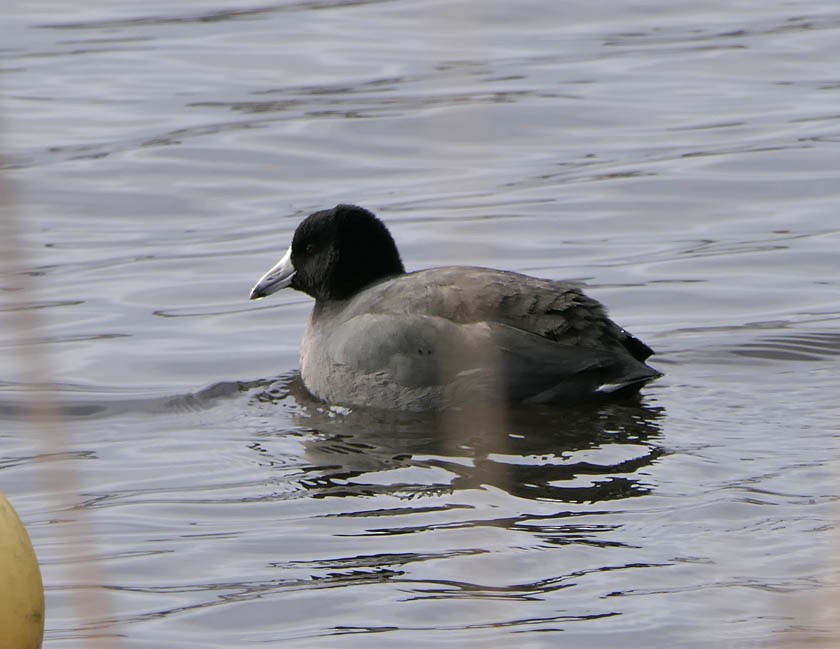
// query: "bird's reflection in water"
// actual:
[[584, 454]]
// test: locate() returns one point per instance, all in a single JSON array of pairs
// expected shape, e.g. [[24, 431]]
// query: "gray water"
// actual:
[[680, 158]]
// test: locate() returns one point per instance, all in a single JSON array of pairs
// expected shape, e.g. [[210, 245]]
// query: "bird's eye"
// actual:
[[309, 248]]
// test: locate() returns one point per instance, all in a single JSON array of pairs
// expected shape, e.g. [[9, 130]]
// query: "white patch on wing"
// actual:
[[607, 388]]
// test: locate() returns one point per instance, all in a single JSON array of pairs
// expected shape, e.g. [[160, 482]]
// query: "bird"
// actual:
[[381, 337]]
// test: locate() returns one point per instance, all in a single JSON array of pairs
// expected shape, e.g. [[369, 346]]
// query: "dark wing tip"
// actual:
[[638, 350]]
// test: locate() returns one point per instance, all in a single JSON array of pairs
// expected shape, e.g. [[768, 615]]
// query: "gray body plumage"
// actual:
[[433, 338]]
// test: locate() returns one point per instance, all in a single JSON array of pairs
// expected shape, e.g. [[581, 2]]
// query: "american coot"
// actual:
[[430, 339]]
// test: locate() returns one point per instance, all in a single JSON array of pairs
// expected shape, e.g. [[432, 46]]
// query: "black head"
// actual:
[[338, 252]]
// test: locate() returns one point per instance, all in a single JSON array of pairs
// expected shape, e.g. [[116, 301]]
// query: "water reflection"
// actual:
[[576, 455]]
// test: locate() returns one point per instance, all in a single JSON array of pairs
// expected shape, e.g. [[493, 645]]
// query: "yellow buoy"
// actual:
[[21, 591]]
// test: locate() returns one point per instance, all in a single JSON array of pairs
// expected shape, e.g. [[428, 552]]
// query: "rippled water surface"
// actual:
[[679, 158]]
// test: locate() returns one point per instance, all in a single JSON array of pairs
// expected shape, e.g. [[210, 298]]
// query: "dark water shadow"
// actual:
[[583, 454]]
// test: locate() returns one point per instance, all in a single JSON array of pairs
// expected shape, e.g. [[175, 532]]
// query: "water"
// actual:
[[678, 158]]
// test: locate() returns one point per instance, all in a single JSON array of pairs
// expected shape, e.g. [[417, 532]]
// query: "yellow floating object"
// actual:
[[21, 591]]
